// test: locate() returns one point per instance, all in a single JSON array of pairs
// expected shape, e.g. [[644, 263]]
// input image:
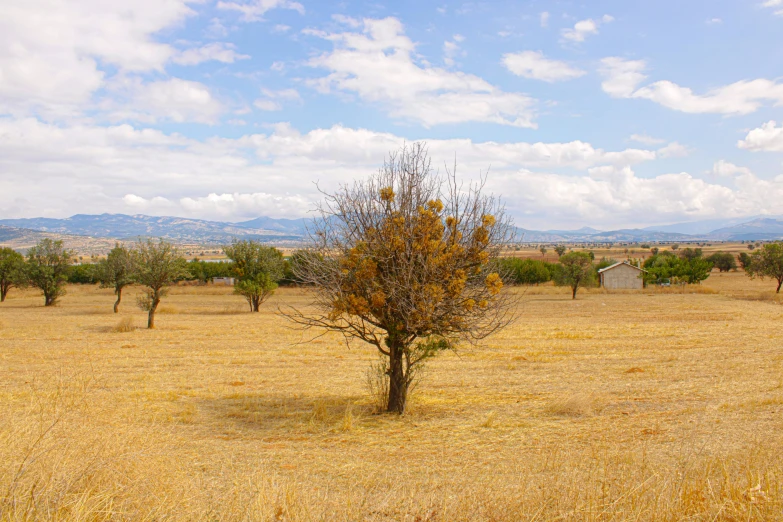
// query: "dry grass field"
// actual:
[[665, 404]]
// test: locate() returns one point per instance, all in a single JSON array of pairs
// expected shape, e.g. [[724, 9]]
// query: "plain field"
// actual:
[[657, 405]]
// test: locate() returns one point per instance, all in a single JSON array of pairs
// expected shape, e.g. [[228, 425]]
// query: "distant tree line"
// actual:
[[154, 265]]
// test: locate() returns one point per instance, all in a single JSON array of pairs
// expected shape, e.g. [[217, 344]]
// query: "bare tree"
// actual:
[[407, 262], [116, 271], [156, 266]]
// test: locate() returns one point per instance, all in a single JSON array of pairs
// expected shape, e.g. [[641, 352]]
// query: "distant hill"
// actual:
[[291, 232], [178, 229], [762, 228], [21, 239], [287, 226], [709, 226]]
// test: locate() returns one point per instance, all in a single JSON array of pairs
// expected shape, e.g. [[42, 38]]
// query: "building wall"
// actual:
[[623, 277]]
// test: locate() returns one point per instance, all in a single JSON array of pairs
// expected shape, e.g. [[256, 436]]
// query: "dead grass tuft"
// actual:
[[579, 405], [635, 369], [125, 325], [490, 421]]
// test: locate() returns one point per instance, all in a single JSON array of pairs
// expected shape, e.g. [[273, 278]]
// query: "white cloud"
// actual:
[[533, 64], [347, 20], [174, 99], [673, 150], [622, 79], [255, 10], [216, 29], [774, 4], [254, 204], [51, 53], [379, 66], [218, 51], [713, 21], [769, 137], [647, 140], [724, 169], [543, 19], [451, 49], [584, 28], [85, 168], [272, 100], [621, 76], [267, 105], [612, 196]]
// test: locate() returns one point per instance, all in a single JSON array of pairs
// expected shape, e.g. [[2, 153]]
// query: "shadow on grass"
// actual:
[[288, 417]]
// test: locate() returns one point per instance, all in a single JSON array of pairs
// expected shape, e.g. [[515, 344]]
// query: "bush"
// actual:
[[690, 268], [204, 271], [605, 262], [85, 274], [723, 261], [526, 271]]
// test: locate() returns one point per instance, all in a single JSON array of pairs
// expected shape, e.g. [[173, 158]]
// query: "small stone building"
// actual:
[[622, 276], [228, 281]]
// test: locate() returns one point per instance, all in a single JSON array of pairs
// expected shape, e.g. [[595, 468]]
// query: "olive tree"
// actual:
[[576, 270], [116, 271], [723, 261], [156, 265], [560, 250], [767, 262], [407, 262], [11, 267], [257, 268], [46, 268]]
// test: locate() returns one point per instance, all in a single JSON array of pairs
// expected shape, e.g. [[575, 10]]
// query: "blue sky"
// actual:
[[606, 114]]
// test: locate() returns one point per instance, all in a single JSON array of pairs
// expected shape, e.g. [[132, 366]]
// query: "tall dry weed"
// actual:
[[125, 325]]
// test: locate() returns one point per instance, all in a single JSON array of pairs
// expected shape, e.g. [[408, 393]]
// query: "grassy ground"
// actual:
[[659, 405]]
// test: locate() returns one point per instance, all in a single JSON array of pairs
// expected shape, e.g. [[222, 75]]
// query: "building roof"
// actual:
[[621, 263]]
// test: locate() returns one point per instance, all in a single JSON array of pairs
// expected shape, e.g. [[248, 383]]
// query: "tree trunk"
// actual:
[[256, 303], [3, 293], [151, 316], [48, 300], [573, 292], [398, 386], [119, 298], [780, 283]]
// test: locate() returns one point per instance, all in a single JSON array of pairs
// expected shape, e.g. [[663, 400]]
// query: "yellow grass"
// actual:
[[658, 405]]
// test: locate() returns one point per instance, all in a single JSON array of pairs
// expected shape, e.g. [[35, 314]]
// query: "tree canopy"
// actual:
[[690, 267], [116, 271], [767, 261], [407, 262], [156, 265], [723, 261], [47, 269], [258, 269], [576, 270], [11, 270]]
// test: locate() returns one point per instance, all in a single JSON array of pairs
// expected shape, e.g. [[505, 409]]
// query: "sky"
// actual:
[[609, 114]]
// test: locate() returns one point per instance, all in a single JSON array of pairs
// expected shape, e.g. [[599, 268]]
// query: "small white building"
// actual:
[[622, 276], [228, 281]]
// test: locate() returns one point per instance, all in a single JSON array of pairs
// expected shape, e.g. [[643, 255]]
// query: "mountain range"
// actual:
[[293, 231], [183, 230]]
